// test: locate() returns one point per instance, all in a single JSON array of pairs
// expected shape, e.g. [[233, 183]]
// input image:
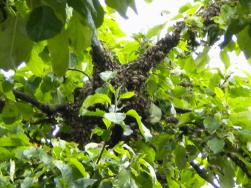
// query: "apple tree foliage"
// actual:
[[81, 106]]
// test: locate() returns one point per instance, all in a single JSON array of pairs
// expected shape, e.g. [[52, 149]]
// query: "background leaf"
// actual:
[[59, 51], [216, 145], [43, 24], [15, 46]]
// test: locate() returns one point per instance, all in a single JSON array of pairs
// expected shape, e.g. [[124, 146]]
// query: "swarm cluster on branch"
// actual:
[[131, 77]]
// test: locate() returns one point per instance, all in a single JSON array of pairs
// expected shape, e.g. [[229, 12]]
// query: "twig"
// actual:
[[101, 153], [182, 110], [225, 80], [203, 174], [77, 70]]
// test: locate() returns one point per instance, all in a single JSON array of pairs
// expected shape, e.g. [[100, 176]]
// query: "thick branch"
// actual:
[[203, 174], [22, 96]]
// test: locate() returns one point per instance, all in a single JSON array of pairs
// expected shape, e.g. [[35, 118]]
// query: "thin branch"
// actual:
[[225, 80], [77, 70], [101, 153], [203, 174]]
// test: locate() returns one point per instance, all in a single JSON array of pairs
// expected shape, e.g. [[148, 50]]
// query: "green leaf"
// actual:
[[108, 75], [83, 183], [143, 130], [202, 59], [107, 123], [14, 140], [97, 113], [120, 6], [244, 135], [27, 182], [155, 31], [148, 1], [58, 48], [216, 145], [150, 169], [5, 154], [105, 184], [245, 4], [97, 98], [227, 177], [185, 7], [180, 157], [225, 58], [133, 5], [219, 93], [211, 124], [148, 151], [65, 170], [25, 110], [91, 10], [97, 12], [79, 166], [10, 113], [36, 64], [59, 8], [155, 113], [116, 118], [125, 180], [242, 119], [43, 24], [244, 40], [239, 92], [80, 33], [127, 95], [13, 38]]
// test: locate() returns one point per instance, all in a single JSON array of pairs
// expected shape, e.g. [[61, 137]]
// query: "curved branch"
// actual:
[[77, 70]]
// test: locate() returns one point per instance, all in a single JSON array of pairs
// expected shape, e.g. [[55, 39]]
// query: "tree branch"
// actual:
[[44, 108], [102, 61], [239, 163], [203, 174]]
